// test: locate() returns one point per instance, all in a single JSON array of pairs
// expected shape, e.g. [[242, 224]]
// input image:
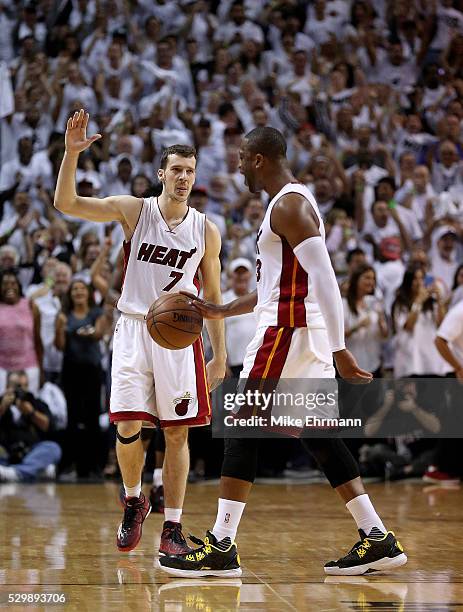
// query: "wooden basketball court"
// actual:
[[61, 539]]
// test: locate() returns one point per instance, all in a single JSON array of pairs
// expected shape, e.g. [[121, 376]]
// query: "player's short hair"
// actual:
[[178, 149], [267, 141]]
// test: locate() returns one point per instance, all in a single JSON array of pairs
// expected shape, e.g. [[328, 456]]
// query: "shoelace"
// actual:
[[196, 540], [176, 534], [131, 513], [360, 547], [205, 545]]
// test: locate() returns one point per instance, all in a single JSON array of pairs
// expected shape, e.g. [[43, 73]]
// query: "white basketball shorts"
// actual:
[[288, 352], [154, 384], [277, 354]]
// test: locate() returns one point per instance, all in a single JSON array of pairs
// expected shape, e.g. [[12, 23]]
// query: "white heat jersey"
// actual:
[[284, 293], [158, 260]]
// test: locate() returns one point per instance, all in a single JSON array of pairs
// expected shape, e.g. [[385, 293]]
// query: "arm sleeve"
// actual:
[[313, 257]]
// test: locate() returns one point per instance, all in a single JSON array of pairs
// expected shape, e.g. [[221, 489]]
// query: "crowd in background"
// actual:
[[369, 95]]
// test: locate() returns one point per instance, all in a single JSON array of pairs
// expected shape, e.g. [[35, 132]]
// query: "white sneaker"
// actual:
[[8, 474]]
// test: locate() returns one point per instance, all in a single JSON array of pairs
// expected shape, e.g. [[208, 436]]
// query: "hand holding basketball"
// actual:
[[207, 309]]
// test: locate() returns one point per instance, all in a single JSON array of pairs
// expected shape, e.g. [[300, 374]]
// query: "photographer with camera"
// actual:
[[25, 423]]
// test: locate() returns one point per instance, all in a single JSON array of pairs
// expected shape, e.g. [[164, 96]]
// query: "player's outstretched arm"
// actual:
[[294, 219], [242, 305], [125, 209]]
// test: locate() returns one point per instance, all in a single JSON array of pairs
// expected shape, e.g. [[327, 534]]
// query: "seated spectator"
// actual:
[[417, 312], [25, 426], [406, 419], [364, 320], [20, 342]]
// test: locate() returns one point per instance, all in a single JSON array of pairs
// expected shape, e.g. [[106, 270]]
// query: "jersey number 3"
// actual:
[[258, 267], [176, 276]]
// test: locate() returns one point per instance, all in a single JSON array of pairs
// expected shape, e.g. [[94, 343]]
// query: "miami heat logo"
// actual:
[[181, 404]]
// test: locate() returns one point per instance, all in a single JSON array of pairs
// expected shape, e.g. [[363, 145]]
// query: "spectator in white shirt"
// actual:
[[364, 320], [444, 255], [26, 168], [48, 298], [384, 222], [211, 153], [395, 70], [16, 228], [237, 28], [417, 312], [416, 193], [198, 200], [240, 330], [447, 172], [75, 88]]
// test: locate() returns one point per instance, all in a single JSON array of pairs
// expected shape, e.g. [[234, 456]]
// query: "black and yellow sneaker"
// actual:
[[212, 558], [377, 551]]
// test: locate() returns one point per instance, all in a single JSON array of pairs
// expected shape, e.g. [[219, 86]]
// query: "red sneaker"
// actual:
[[433, 474], [136, 509], [172, 540], [157, 499]]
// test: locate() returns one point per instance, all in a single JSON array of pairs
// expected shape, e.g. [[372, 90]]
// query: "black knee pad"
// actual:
[[334, 458], [240, 458], [123, 440]]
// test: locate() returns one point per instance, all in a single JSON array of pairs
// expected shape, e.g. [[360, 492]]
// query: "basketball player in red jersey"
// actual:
[[166, 244], [299, 331]]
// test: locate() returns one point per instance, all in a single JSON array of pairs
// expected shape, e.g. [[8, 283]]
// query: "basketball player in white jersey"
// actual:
[[166, 245], [299, 331]]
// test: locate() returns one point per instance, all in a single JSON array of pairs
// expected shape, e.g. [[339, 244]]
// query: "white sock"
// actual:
[[133, 491], [364, 514], [228, 518], [173, 514], [157, 477]]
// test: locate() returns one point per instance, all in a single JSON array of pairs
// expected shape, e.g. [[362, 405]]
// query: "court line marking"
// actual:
[[285, 601]]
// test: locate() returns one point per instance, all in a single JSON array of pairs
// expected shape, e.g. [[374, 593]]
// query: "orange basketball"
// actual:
[[173, 322]]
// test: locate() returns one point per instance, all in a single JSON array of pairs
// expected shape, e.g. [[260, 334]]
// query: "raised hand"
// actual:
[[75, 138]]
